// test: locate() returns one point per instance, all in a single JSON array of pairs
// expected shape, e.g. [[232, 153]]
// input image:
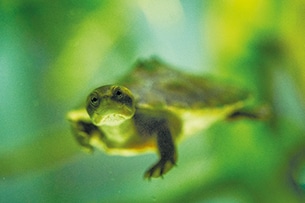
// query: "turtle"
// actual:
[[153, 108]]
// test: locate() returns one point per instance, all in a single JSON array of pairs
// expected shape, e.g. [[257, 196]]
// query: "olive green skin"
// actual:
[[151, 109]]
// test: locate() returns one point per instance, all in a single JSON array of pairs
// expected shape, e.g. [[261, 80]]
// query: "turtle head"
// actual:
[[110, 105]]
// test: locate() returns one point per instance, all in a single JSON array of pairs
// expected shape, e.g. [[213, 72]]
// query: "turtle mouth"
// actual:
[[109, 119], [111, 114]]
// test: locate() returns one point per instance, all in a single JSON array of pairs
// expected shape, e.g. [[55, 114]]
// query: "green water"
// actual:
[[53, 53]]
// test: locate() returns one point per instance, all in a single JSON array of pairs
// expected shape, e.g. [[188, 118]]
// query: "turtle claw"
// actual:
[[159, 169]]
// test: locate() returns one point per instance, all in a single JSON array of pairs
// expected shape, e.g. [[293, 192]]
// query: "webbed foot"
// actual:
[[83, 132], [83, 139], [159, 169]]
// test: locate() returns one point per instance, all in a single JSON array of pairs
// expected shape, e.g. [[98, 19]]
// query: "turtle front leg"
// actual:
[[167, 152], [83, 131]]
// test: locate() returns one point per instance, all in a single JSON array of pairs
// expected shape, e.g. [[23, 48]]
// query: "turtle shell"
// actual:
[[158, 85]]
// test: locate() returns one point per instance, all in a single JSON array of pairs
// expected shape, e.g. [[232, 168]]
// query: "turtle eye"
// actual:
[[94, 100], [118, 93]]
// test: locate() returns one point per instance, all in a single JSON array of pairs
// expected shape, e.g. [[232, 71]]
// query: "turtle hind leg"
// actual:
[[260, 113], [242, 114], [167, 151]]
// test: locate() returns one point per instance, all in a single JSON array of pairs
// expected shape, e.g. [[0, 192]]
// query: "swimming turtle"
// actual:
[[151, 109]]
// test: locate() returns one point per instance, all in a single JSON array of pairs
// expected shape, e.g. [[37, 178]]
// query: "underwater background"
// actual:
[[53, 53]]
